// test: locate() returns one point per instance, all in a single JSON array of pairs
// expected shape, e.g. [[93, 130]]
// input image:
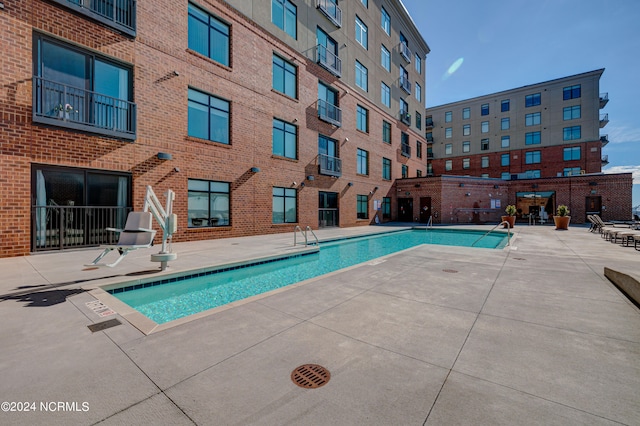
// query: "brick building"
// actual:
[[260, 115]]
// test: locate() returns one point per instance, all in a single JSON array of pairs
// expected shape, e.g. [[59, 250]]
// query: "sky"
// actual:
[[482, 47]]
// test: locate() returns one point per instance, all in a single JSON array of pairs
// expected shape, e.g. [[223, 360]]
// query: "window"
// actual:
[[533, 174], [386, 207], [362, 206], [504, 105], [532, 157], [505, 142], [365, 3], [283, 16], [385, 58], [418, 149], [484, 162], [363, 162], [328, 104], [418, 92], [485, 127], [484, 109], [386, 169], [466, 113], [418, 120], [505, 123], [572, 153], [327, 52], [447, 132], [418, 173], [571, 113], [208, 203], [505, 176], [532, 119], [404, 107], [466, 146], [448, 165], [386, 132], [405, 171], [362, 78], [448, 149], [571, 133], [285, 77], [484, 145], [285, 138], [465, 163], [532, 138], [504, 160], [385, 21], [571, 92], [362, 119], [385, 95], [466, 130], [208, 35], [208, 117], [405, 84], [361, 33], [571, 171], [448, 116], [532, 100], [484, 175], [285, 205]]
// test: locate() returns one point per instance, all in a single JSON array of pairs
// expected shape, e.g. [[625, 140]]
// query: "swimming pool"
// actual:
[[170, 299]]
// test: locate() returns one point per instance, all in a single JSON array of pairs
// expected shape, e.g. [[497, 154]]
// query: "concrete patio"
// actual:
[[436, 335]]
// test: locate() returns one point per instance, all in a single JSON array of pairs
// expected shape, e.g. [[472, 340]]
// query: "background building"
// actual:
[[260, 115]]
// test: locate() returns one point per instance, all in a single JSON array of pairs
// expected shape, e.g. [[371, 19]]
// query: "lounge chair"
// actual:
[[137, 234], [594, 224]]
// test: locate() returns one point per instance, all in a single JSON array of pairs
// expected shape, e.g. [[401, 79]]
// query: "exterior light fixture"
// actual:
[[255, 170]]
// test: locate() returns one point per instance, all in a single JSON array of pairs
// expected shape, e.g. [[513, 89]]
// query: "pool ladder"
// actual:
[[491, 230], [304, 234]]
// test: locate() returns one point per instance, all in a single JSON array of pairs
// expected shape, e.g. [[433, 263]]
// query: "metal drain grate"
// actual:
[[451, 271], [310, 376], [99, 326], [519, 258]]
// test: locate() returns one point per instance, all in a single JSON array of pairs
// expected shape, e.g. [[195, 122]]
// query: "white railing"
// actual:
[[304, 234], [504, 222]]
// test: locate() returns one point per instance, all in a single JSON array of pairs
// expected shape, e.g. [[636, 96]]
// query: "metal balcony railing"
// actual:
[[405, 52], [328, 60], [428, 122], [605, 160], [119, 14], [604, 139], [604, 99], [331, 10], [429, 137], [429, 154], [405, 117], [329, 166], [329, 113], [67, 106], [405, 150], [60, 227], [405, 84], [604, 119]]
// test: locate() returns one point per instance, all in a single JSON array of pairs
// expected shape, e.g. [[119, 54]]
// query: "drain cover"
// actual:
[[519, 258], [310, 376], [99, 326], [451, 271]]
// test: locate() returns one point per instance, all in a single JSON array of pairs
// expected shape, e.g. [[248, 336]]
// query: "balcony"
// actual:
[[405, 117], [605, 160], [429, 137], [429, 154], [61, 105], [118, 14], [604, 139], [329, 113], [405, 150], [328, 60], [604, 99], [329, 166], [604, 119], [405, 52], [331, 10], [428, 122], [405, 84]]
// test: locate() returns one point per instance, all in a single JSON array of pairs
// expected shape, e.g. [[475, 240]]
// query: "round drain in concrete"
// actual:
[[310, 376], [451, 271]]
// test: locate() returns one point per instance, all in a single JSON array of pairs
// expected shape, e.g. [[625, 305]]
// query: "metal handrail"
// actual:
[[308, 228], [430, 222], [297, 228], [491, 230]]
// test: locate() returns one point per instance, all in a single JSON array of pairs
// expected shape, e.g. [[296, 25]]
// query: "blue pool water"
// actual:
[[175, 298]]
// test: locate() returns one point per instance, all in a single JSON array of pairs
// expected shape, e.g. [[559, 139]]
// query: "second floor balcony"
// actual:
[[405, 84], [405, 117], [329, 166], [330, 9], [119, 14], [405, 52], [328, 60], [405, 150], [62, 105], [604, 119], [604, 99], [329, 113]]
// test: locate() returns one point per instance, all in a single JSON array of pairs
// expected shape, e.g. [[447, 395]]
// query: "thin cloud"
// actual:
[[625, 169], [623, 134]]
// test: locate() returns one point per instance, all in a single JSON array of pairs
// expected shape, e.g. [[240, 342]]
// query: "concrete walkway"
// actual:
[[436, 335]]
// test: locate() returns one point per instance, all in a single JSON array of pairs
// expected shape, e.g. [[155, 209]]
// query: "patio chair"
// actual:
[[137, 234], [594, 224]]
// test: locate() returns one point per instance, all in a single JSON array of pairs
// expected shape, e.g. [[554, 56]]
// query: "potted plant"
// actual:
[[511, 215], [562, 218]]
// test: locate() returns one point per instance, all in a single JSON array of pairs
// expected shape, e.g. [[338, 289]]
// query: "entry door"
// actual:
[[405, 209], [425, 209], [327, 209], [593, 205]]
